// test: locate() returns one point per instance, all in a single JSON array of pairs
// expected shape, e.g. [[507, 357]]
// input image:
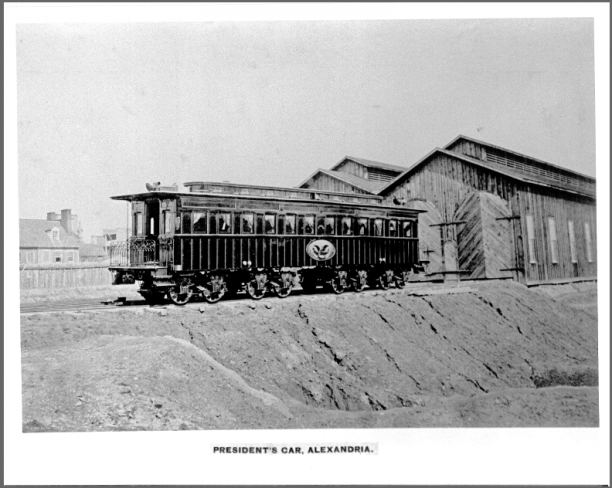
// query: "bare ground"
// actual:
[[500, 355]]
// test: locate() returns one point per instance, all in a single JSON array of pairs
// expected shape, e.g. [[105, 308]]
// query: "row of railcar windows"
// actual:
[[253, 223]]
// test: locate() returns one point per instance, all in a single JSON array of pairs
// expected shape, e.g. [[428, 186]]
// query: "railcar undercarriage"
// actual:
[[180, 287]]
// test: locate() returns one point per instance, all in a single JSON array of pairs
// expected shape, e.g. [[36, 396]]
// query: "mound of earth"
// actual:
[[497, 355]]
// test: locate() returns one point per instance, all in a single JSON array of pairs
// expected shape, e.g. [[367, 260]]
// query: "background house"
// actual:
[[489, 212], [48, 241]]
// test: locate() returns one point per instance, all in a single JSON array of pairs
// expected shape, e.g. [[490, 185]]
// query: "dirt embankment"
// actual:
[[499, 355]]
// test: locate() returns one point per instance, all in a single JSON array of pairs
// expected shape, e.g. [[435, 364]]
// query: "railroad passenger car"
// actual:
[[220, 238]]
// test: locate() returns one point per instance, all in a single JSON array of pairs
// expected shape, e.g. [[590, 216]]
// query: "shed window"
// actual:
[[587, 235], [200, 225], [57, 257], [270, 224], [572, 240], [347, 226], [225, 223], [70, 256], [552, 232], [531, 239], [362, 227], [46, 256], [246, 227], [407, 228], [290, 224]]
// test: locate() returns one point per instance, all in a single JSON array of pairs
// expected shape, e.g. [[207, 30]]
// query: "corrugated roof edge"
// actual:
[[509, 151]]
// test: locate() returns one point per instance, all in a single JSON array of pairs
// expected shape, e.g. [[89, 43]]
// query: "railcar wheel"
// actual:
[[338, 282], [212, 296], [384, 280], [284, 286], [283, 292], [361, 281], [178, 298], [256, 288], [402, 279], [254, 292], [215, 289]]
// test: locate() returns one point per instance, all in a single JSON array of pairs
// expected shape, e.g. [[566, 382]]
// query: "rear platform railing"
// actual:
[[134, 252]]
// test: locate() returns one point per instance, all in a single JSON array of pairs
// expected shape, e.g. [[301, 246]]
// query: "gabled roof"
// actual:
[[516, 175], [33, 234], [370, 164], [508, 151], [372, 187]]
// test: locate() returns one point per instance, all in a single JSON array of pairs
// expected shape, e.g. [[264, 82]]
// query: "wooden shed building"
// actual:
[[491, 212]]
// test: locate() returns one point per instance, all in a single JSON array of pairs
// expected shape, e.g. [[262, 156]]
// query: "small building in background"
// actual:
[[46, 242]]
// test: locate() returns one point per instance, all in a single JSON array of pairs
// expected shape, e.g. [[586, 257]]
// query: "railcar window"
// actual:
[[320, 226], [392, 228], [247, 223], [309, 224], [281, 224], [270, 224], [138, 223], [347, 226], [377, 227], [225, 223], [186, 223], [330, 227], [290, 224], [167, 222], [259, 229], [362, 227], [407, 228], [200, 223]]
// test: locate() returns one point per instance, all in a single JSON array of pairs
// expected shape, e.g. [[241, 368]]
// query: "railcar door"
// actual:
[[152, 218]]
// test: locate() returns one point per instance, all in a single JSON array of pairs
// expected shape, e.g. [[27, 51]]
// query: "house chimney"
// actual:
[[67, 220], [53, 216]]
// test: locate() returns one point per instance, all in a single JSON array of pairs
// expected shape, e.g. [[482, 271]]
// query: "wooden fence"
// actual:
[[64, 276]]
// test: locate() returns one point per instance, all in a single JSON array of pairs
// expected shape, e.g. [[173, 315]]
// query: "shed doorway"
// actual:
[[486, 242]]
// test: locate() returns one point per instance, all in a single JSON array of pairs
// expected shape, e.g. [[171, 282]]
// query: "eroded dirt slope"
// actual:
[[369, 360]]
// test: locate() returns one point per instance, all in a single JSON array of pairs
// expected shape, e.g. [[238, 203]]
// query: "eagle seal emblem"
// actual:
[[321, 250]]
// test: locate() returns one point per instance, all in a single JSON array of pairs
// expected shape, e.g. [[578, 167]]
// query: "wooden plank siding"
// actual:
[[353, 168], [51, 277], [445, 182], [542, 205]]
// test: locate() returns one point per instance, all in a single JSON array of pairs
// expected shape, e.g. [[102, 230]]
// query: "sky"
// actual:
[[105, 108]]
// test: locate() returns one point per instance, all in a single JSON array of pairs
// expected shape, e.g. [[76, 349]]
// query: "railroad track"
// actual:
[[93, 304]]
